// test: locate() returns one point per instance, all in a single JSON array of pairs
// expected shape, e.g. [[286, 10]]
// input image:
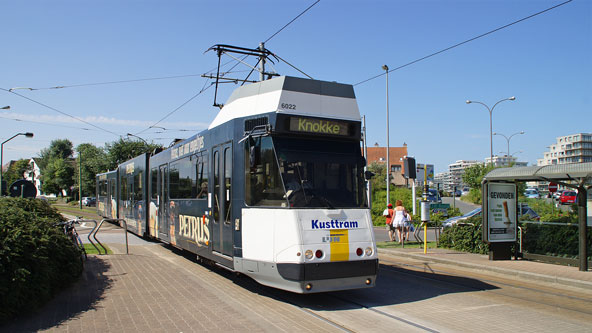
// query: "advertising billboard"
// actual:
[[420, 172], [500, 218]]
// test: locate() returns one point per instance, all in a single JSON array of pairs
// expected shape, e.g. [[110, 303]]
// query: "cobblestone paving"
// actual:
[[156, 290]]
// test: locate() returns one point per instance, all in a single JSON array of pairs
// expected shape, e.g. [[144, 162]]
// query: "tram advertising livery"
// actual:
[[273, 189]]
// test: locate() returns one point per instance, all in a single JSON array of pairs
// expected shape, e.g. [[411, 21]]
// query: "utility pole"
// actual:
[[80, 179]]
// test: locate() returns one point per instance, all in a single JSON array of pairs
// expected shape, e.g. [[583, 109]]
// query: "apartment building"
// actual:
[[457, 170], [505, 160], [443, 181], [574, 148]]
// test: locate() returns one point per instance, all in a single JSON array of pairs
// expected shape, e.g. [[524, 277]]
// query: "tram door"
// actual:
[[163, 209], [222, 195]]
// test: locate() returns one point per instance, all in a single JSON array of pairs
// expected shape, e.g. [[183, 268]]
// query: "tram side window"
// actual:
[[103, 188], [263, 184], [113, 189], [138, 186], [123, 188], [202, 171], [227, 181], [154, 183], [183, 178]]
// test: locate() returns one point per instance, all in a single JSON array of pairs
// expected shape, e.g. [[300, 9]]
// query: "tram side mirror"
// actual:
[[368, 175]]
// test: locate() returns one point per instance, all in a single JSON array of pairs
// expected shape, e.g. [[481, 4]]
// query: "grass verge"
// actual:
[[92, 250], [86, 212]]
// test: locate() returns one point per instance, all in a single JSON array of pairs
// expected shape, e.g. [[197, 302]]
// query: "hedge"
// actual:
[[465, 237], [554, 240], [36, 258]]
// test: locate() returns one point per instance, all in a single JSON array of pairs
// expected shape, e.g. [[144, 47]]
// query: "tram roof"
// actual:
[[547, 172], [304, 96]]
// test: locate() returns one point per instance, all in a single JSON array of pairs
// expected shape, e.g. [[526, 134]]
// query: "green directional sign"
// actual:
[[440, 208]]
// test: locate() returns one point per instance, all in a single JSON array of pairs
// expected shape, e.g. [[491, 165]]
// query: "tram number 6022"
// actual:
[[288, 106]]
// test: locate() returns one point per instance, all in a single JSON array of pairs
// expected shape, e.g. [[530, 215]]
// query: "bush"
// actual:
[[466, 238], [36, 258]]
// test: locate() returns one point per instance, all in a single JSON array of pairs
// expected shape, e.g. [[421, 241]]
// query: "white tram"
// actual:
[[273, 189]]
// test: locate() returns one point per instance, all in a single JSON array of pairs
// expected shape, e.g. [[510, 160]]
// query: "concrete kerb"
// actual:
[[512, 273]]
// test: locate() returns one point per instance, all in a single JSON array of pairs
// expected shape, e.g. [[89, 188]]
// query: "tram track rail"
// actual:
[[408, 269], [290, 298]]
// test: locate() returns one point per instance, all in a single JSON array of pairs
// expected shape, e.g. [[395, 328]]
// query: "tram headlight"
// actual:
[[308, 254], [369, 252]]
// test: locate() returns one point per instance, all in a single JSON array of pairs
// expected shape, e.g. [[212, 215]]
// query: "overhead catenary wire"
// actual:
[[108, 82], [49, 124], [294, 19], [176, 109], [60, 112], [462, 43]]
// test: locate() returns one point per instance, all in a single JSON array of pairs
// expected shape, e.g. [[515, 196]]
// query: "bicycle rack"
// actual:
[[90, 233], [99, 227]]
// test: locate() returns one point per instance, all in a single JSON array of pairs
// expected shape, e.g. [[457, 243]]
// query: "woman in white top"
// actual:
[[400, 221]]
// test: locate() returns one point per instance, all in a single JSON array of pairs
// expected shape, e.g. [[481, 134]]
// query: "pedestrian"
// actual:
[[388, 213], [400, 221], [408, 226]]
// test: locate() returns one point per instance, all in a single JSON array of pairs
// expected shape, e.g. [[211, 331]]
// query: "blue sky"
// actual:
[[545, 61]]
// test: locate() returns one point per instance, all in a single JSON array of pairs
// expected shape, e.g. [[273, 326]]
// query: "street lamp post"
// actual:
[[388, 169], [28, 135], [491, 122], [508, 140]]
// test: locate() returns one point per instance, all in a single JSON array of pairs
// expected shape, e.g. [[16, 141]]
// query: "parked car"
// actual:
[[465, 191], [557, 194], [89, 201], [532, 193], [459, 219], [434, 196], [568, 197], [524, 209]]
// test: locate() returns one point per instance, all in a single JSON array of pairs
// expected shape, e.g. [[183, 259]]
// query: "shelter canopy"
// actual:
[[575, 171]]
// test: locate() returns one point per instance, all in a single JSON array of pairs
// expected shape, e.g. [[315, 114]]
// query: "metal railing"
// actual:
[[96, 229]]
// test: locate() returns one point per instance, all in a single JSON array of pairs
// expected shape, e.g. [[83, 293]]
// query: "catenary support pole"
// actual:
[[582, 219]]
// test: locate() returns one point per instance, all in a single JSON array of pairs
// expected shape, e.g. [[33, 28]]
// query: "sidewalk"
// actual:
[[518, 269], [155, 289]]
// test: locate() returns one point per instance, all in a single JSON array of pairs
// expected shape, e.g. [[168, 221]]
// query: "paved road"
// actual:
[[464, 207], [158, 289]]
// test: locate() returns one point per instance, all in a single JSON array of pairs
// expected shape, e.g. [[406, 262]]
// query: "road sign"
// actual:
[[440, 208], [552, 187]]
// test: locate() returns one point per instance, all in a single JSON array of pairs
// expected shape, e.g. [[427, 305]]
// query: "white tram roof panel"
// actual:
[[291, 95]]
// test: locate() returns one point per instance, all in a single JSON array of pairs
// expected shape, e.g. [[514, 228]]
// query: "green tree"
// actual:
[[123, 150], [58, 175], [16, 171], [474, 174], [94, 161], [61, 148]]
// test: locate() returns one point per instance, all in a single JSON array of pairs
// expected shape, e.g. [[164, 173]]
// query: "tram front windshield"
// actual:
[[300, 173]]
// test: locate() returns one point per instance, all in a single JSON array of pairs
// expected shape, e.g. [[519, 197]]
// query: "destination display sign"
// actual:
[[319, 126]]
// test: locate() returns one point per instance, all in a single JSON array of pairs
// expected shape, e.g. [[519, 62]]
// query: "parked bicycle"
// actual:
[[70, 231]]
